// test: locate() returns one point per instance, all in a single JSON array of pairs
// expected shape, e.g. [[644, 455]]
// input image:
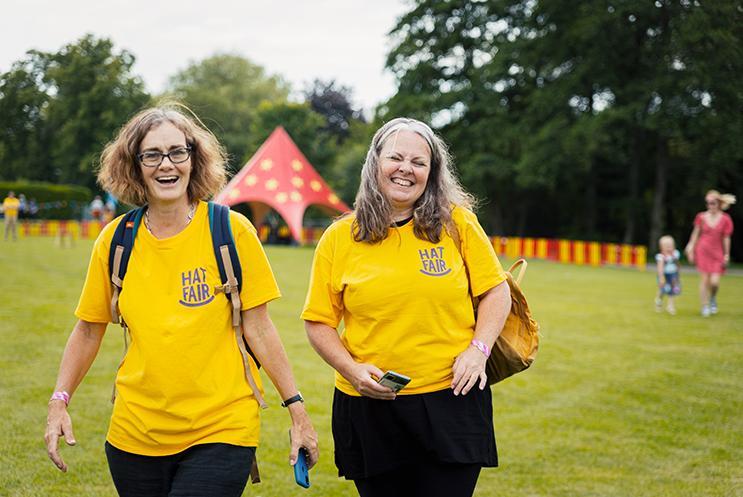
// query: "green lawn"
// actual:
[[621, 401]]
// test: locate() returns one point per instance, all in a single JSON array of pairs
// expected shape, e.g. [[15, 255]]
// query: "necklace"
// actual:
[[189, 217]]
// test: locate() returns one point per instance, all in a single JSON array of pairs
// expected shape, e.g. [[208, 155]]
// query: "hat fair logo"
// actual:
[[432, 262], [195, 290]]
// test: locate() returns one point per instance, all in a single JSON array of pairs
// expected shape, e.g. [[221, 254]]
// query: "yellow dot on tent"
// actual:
[[333, 198], [315, 185], [266, 164], [296, 165], [281, 197], [234, 193], [295, 196], [297, 182], [272, 184], [251, 179]]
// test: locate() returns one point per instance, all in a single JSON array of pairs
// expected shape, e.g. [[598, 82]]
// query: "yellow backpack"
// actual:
[[516, 347]]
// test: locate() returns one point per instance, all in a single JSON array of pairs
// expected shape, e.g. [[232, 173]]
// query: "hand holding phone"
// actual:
[[301, 469], [395, 381]]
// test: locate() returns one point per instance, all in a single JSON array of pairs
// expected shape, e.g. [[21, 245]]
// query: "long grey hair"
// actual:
[[431, 212]]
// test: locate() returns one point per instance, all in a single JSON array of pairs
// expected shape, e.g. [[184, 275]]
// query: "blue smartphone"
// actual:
[[301, 470]]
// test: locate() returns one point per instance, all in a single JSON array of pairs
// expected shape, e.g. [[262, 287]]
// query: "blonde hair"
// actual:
[[431, 212], [666, 239], [120, 173], [725, 199]]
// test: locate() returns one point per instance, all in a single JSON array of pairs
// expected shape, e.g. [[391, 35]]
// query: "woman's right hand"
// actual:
[[361, 378], [58, 424]]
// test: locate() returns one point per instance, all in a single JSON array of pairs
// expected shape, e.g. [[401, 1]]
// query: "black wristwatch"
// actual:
[[291, 400]]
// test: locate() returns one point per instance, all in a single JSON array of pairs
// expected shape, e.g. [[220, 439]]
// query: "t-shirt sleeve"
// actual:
[[259, 284], [484, 268], [94, 305], [658, 257], [727, 228], [324, 302]]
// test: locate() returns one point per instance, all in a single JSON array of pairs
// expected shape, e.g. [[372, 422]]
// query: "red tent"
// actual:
[[280, 177]]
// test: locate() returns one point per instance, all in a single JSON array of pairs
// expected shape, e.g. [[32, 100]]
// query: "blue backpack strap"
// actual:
[[125, 233], [230, 274], [119, 253], [219, 224]]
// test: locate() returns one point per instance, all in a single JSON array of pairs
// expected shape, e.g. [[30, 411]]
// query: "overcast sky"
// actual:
[[300, 40]]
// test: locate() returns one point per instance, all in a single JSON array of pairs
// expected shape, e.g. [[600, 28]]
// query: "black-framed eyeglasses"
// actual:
[[152, 158]]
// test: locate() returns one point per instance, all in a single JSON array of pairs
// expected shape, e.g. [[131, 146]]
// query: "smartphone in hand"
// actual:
[[301, 469], [395, 381]]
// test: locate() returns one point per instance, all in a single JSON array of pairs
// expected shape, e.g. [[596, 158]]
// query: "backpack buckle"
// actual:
[[226, 288]]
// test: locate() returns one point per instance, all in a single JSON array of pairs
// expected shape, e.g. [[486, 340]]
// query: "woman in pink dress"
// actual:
[[709, 247]]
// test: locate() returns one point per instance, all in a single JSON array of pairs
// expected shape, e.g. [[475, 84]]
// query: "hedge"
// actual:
[[54, 201]]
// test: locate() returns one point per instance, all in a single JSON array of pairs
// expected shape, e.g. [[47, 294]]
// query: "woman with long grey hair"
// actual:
[[400, 272]]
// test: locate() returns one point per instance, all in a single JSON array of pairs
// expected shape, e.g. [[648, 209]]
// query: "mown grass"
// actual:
[[621, 401]]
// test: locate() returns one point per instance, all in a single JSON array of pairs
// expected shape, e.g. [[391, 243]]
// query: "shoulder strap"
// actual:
[[219, 225], [230, 274], [119, 253]]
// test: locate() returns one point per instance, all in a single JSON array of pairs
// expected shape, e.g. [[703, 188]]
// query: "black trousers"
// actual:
[[426, 479], [208, 470]]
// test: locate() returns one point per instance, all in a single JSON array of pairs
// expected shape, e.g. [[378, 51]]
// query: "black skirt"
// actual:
[[376, 436]]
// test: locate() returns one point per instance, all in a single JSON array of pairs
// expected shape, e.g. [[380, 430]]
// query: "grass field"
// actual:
[[621, 401]]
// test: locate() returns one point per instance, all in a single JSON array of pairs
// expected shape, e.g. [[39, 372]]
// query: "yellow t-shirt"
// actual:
[[182, 381], [404, 301], [11, 206]]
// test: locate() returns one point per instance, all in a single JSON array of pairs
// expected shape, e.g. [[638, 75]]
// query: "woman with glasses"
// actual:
[[185, 421], [709, 247], [398, 272]]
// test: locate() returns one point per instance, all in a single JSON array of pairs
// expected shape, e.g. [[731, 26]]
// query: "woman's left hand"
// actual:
[[303, 435], [469, 367]]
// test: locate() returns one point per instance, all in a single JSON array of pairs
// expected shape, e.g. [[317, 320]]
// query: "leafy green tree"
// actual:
[[22, 106], [345, 174], [577, 119], [303, 125], [333, 102], [57, 110], [226, 92], [91, 94]]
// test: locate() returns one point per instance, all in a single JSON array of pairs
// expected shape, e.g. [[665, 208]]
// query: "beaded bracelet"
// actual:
[[63, 396], [481, 347]]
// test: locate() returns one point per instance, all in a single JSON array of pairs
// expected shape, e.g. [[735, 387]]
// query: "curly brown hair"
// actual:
[[120, 173]]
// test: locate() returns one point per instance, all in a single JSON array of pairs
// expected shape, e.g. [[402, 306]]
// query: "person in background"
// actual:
[[709, 247], [23, 207], [33, 208], [96, 208], [398, 272], [669, 281], [186, 415], [11, 206]]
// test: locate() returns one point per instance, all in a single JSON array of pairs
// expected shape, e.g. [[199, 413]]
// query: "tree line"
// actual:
[[58, 110], [600, 120]]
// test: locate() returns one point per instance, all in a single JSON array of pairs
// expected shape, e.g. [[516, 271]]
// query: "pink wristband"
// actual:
[[481, 347], [63, 396]]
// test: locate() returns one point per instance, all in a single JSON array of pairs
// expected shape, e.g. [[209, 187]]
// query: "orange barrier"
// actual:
[[581, 253], [76, 229]]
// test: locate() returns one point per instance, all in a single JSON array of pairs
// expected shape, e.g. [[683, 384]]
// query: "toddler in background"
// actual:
[[669, 282]]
